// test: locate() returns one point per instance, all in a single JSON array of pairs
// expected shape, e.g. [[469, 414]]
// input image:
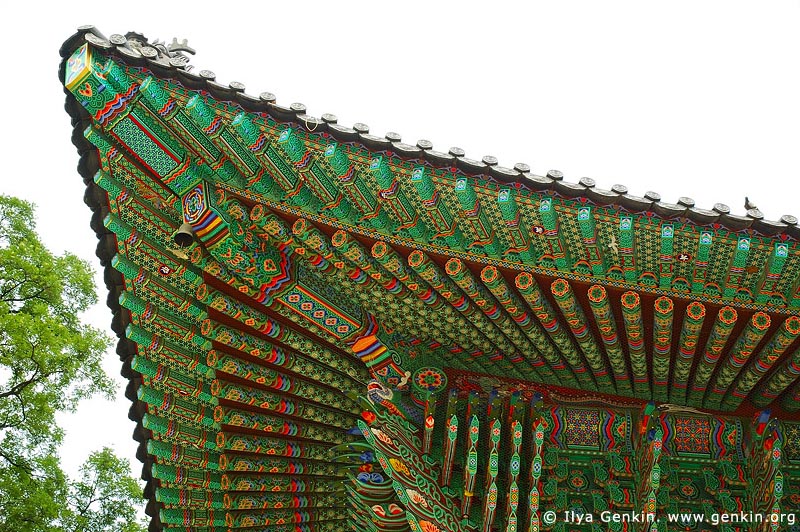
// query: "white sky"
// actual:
[[680, 97]]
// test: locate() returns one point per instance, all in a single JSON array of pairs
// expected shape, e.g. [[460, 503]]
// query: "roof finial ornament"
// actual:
[[182, 46], [172, 53]]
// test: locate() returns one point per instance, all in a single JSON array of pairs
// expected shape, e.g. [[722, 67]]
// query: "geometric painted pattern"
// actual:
[[153, 155], [691, 435], [582, 428], [312, 308]]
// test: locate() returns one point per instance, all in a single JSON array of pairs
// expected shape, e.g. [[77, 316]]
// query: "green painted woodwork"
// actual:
[[598, 301], [693, 319], [317, 264], [723, 326], [253, 136], [577, 323]]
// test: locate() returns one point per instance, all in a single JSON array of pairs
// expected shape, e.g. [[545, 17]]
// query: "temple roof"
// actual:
[[264, 266]]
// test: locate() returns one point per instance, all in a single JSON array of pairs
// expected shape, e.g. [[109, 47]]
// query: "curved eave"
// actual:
[[95, 198], [519, 175]]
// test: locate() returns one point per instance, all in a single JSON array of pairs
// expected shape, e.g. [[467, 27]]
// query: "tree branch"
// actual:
[[18, 463], [37, 376]]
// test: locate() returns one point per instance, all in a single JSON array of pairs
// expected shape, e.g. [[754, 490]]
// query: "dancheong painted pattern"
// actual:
[[328, 330]]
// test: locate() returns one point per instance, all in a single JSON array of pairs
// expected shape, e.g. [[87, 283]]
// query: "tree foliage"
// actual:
[[103, 499], [105, 496], [34, 500], [49, 360]]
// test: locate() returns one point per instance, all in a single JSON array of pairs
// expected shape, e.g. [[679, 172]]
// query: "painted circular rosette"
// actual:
[[426, 382]]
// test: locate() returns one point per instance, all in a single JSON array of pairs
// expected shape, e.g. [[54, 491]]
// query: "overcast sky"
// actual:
[[684, 98]]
